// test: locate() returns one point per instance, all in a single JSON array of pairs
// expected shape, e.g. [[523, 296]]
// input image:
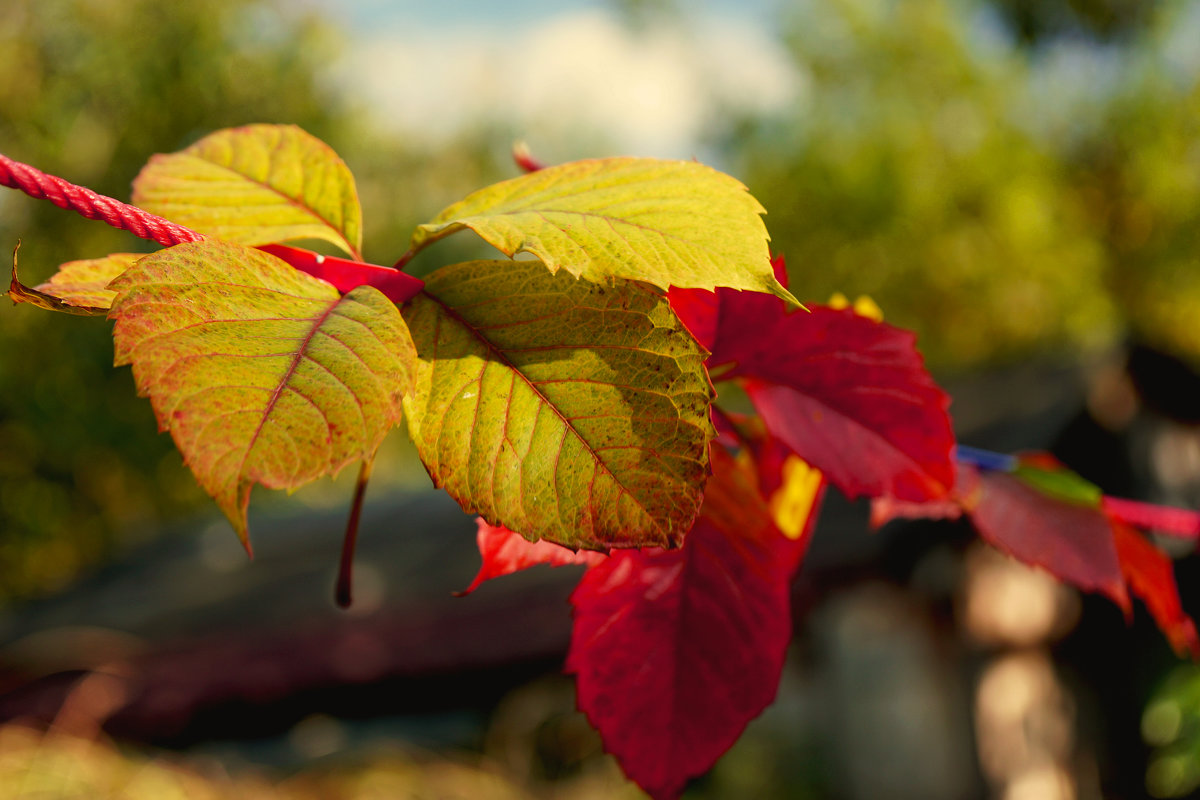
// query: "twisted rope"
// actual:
[[87, 203]]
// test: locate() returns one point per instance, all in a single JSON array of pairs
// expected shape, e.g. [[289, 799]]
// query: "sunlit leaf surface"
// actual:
[[85, 283], [675, 651], [669, 223], [558, 408], [256, 185], [848, 394], [261, 373]]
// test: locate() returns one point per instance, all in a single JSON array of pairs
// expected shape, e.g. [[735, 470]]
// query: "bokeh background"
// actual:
[[1016, 180]]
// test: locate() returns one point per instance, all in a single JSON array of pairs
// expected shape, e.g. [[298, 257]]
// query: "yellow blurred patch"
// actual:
[[59, 766], [792, 503], [864, 306]]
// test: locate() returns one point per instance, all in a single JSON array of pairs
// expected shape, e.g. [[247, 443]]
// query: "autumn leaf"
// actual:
[[85, 283], [1040, 512], [261, 373], [1151, 576], [558, 408], [855, 400], [1072, 541], [701, 310], [848, 394], [1043, 514], [668, 223], [504, 552], [885, 509], [79, 287], [255, 185], [1048, 475], [675, 651]]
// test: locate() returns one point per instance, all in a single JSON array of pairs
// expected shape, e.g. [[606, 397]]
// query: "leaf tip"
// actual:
[[244, 538], [14, 285], [787, 297], [46, 296], [475, 584], [237, 514]]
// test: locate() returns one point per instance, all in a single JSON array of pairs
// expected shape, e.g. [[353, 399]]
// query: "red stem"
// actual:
[[402, 262], [91, 205], [1163, 519], [343, 594]]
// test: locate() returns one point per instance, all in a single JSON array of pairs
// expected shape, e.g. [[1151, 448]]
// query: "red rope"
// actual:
[[84, 201]]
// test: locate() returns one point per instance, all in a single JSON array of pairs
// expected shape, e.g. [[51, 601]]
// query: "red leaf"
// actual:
[[676, 650], [698, 310], [850, 395], [885, 509], [1072, 542], [770, 457], [744, 431], [966, 490], [505, 552], [1151, 576], [1033, 521]]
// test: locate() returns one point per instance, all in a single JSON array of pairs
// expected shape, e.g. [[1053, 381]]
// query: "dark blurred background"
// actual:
[[1016, 180]]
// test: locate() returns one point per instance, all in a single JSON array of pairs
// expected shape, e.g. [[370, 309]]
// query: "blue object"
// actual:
[[985, 459]]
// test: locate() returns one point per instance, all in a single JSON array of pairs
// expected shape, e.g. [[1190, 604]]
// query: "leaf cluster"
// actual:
[[565, 394]]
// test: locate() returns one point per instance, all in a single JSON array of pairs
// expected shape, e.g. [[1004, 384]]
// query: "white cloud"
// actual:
[[648, 93]]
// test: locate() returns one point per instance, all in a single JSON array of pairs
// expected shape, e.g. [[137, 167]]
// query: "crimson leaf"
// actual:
[[676, 650], [1152, 578], [505, 552], [850, 395]]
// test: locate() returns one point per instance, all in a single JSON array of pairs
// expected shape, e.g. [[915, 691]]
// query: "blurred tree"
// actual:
[[1139, 169], [974, 186], [1038, 20], [88, 90]]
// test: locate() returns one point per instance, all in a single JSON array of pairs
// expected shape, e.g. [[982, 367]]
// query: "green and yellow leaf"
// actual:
[[79, 287], [255, 185], [669, 223], [261, 373], [561, 409], [85, 283]]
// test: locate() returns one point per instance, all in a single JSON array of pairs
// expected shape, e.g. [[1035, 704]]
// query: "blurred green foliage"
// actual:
[[1002, 200], [89, 91], [1171, 726]]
